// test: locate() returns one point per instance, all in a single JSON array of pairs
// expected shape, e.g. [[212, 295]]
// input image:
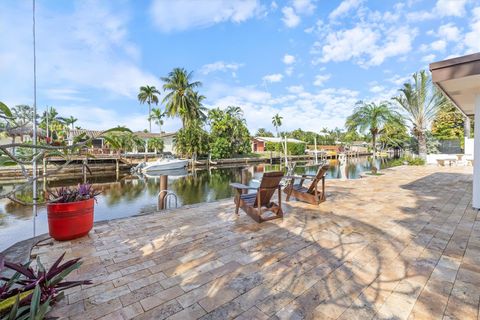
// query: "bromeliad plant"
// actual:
[[29, 293], [69, 194]]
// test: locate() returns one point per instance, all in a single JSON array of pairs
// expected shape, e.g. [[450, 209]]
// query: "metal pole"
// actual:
[[47, 115], [316, 152], [34, 163]]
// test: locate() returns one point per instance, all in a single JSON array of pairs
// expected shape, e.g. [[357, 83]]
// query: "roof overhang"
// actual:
[[459, 79]]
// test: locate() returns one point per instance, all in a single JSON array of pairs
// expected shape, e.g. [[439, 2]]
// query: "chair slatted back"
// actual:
[[270, 180], [321, 172]]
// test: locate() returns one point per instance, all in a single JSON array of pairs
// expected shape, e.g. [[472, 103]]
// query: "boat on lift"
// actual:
[[162, 164]]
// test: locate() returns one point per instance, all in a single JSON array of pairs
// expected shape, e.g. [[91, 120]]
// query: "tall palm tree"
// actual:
[[181, 99], [157, 116], [148, 94], [277, 122], [372, 117], [70, 121], [420, 102]]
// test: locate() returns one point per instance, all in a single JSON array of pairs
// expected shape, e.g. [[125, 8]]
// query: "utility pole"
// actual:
[[34, 160]]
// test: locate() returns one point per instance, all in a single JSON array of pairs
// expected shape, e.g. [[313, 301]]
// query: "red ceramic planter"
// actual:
[[67, 221]]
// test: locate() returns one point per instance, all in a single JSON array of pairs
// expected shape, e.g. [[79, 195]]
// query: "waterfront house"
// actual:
[[98, 143]]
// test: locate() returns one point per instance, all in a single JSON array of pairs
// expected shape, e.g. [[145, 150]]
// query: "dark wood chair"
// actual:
[[255, 204], [308, 194]]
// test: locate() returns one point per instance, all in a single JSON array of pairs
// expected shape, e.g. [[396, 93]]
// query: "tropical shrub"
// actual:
[[30, 293], [229, 134], [295, 149], [68, 194], [191, 140], [156, 144]]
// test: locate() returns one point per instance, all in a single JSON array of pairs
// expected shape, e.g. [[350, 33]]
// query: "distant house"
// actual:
[[167, 138], [98, 143], [258, 143]]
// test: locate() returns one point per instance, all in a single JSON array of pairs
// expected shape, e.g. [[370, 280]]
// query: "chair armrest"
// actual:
[[241, 186], [304, 176], [292, 177]]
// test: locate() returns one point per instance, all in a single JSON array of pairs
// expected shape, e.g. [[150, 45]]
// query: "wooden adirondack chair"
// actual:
[[255, 204], [310, 194]]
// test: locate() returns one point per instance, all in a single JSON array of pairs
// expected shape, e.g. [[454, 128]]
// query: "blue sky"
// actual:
[[308, 60]]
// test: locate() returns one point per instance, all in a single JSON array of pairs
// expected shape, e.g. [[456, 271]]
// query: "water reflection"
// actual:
[[132, 195]]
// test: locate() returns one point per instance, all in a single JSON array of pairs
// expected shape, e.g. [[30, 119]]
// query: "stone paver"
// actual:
[[404, 245]]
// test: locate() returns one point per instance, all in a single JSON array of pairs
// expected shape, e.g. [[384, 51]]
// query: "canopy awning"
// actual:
[[459, 79]]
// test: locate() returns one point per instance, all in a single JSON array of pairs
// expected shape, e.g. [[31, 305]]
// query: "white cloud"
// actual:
[[429, 58], [312, 110], [367, 43], [346, 44], [454, 8], [448, 32], [303, 6], [443, 8], [377, 89], [288, 59], [87, 48], [276, 77], [398, 41], [295, 89], [320, 79], [181, 15], [220, 66], [399, 80], [289, 71], [472, 38], [344, 8], [290, 18], [439, 45]]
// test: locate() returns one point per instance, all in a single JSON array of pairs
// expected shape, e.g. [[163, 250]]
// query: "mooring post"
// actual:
[[84, 169], [245, 179], [117, 168], [163, 192], [44, 174]]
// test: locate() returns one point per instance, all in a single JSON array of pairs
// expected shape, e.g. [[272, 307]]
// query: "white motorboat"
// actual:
[[164, 164]]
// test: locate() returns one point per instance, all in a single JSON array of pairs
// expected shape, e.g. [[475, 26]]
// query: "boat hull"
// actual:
[[162, 166]]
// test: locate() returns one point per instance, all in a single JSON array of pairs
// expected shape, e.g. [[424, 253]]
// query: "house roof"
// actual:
[[459, 79], [97, 133], [148, 135], [277, 140]]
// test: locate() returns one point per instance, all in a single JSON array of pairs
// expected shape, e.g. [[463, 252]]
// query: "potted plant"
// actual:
[[70, 211], [30, 293]]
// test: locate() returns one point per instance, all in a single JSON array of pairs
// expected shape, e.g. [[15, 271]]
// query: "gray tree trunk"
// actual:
[[150, 117], [422, 145], [374, 145]]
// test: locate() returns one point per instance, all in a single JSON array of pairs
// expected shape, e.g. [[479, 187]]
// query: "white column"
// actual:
[[476, 156]]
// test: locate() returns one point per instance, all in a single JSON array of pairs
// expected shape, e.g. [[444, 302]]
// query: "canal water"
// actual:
[[132, 195]]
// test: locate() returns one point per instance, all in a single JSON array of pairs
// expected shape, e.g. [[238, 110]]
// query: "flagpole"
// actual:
[[34, 162]]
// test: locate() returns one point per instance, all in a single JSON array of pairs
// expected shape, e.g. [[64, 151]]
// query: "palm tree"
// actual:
[[420, 101], [277, 122], [148, 94], [372, 117], [181, 99], [70, 121], [157, 116]]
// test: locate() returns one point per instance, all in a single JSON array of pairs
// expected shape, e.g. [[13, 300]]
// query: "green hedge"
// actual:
[[295, 149], [411, 161]]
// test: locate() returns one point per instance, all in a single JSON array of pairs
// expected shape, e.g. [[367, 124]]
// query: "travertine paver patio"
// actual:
[[405, 245]]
